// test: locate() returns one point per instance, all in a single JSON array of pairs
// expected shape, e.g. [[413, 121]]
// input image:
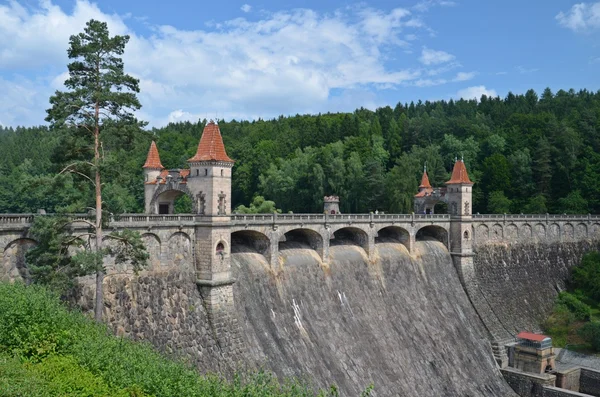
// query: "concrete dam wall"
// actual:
[[515, 283], [402, 323]]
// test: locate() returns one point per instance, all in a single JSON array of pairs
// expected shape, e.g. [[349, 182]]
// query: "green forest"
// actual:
[[526, 154]]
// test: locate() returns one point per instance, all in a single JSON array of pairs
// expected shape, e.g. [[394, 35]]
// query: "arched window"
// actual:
[[466, 235], [220, 250]]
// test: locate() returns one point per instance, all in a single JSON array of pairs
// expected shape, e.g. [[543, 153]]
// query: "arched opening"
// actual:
[[350, 236], [302, 238], [220, 248], [251, 242], [393, 234], [13, 266], [171, 201], [440, 208], [433, 232], [183, 204], [466, 235]]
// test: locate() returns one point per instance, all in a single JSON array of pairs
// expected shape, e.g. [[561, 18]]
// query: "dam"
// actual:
[[415, 304]]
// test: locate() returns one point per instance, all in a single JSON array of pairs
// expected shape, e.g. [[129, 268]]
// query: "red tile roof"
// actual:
[[424, 181], [153, 159], [532, 336], [459, 174], [211, 146]]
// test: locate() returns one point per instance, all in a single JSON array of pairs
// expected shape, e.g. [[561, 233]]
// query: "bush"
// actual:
[[580, 310], [35, 327], [590, 332], [586, 276]]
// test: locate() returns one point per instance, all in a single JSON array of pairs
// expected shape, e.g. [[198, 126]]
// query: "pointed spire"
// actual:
[[210, 147], [425, 180], [459, 174], [153, 159]]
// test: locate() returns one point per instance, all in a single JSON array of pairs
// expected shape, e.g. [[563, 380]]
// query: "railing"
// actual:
[[537, 217], [26, 219]]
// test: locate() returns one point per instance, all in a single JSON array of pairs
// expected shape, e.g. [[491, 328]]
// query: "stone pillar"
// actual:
[[273, 254], [371, 245], [215, 282]]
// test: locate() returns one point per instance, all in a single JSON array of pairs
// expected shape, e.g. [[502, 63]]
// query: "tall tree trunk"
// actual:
[[98, 309]]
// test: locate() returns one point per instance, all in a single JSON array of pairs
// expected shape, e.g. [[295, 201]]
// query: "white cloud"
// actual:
[[524, 70], [425, 5], [464, 76], [246, 8], [581, 17], [433, 57], [475, 92], [285, 63], [501, 73]]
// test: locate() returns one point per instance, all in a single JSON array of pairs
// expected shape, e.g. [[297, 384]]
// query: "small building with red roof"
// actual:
[[532, 353]]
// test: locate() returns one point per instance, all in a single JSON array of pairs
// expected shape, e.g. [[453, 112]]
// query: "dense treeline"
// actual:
[[525, 153]]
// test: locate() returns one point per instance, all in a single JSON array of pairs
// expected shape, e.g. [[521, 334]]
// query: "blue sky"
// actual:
[[246, 59]]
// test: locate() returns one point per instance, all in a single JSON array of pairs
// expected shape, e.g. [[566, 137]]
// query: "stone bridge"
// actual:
[[173, 241]]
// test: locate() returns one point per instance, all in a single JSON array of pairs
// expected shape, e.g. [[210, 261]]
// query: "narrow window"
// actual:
[[206, 172], [221, 172], [197, 172]]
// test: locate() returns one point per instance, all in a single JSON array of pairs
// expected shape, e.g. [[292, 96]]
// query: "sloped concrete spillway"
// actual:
[[402, 323]]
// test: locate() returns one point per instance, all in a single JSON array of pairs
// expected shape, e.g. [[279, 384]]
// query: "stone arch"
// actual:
[[554, 231], [433, 232], [581, 230], [466, 235], [153, 247], [393, 233], [595, 230], [251, 241], [482, 233], [497, 232], [168, 193], [539, 231], [350, 235], [568, 231], [179, 250], [512, 232], [526, 232], [302, 237], [14, 266]]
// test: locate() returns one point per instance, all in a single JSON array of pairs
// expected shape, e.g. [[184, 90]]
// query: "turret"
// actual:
[[424, 203], [459, 191], [152, 169], [331, 205], [210, 174]]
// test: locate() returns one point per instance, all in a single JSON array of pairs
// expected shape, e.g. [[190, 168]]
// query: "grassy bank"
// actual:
[[47, 350]]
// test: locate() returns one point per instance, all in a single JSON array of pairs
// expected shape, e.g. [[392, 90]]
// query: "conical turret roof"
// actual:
[[210, 147], [424, 181], [459, 174], [153, 159]]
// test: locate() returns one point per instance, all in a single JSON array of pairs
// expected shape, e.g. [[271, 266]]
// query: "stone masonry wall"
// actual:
[[167, 309], [515, 284], [549, 391], [589, 382], [526, 384]]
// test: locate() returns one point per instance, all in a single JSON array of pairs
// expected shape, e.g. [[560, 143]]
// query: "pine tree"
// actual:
[[99, 101]]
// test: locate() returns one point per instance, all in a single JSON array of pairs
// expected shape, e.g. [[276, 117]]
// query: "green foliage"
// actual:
[[580, 310], [47, 350], [526, 148], [498, 203], [64, 252], [590, 332], [586, 276], [258, 206]]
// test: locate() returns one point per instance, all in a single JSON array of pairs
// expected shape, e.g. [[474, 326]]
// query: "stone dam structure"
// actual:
[[416, 304]]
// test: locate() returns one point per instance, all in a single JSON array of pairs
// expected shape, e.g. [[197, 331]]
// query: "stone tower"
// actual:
[[152, 169], [459, 191], [209, 183], [331, 205]]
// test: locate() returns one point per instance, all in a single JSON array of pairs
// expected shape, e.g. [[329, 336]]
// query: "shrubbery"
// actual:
[[572, 321], [43, 345]]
